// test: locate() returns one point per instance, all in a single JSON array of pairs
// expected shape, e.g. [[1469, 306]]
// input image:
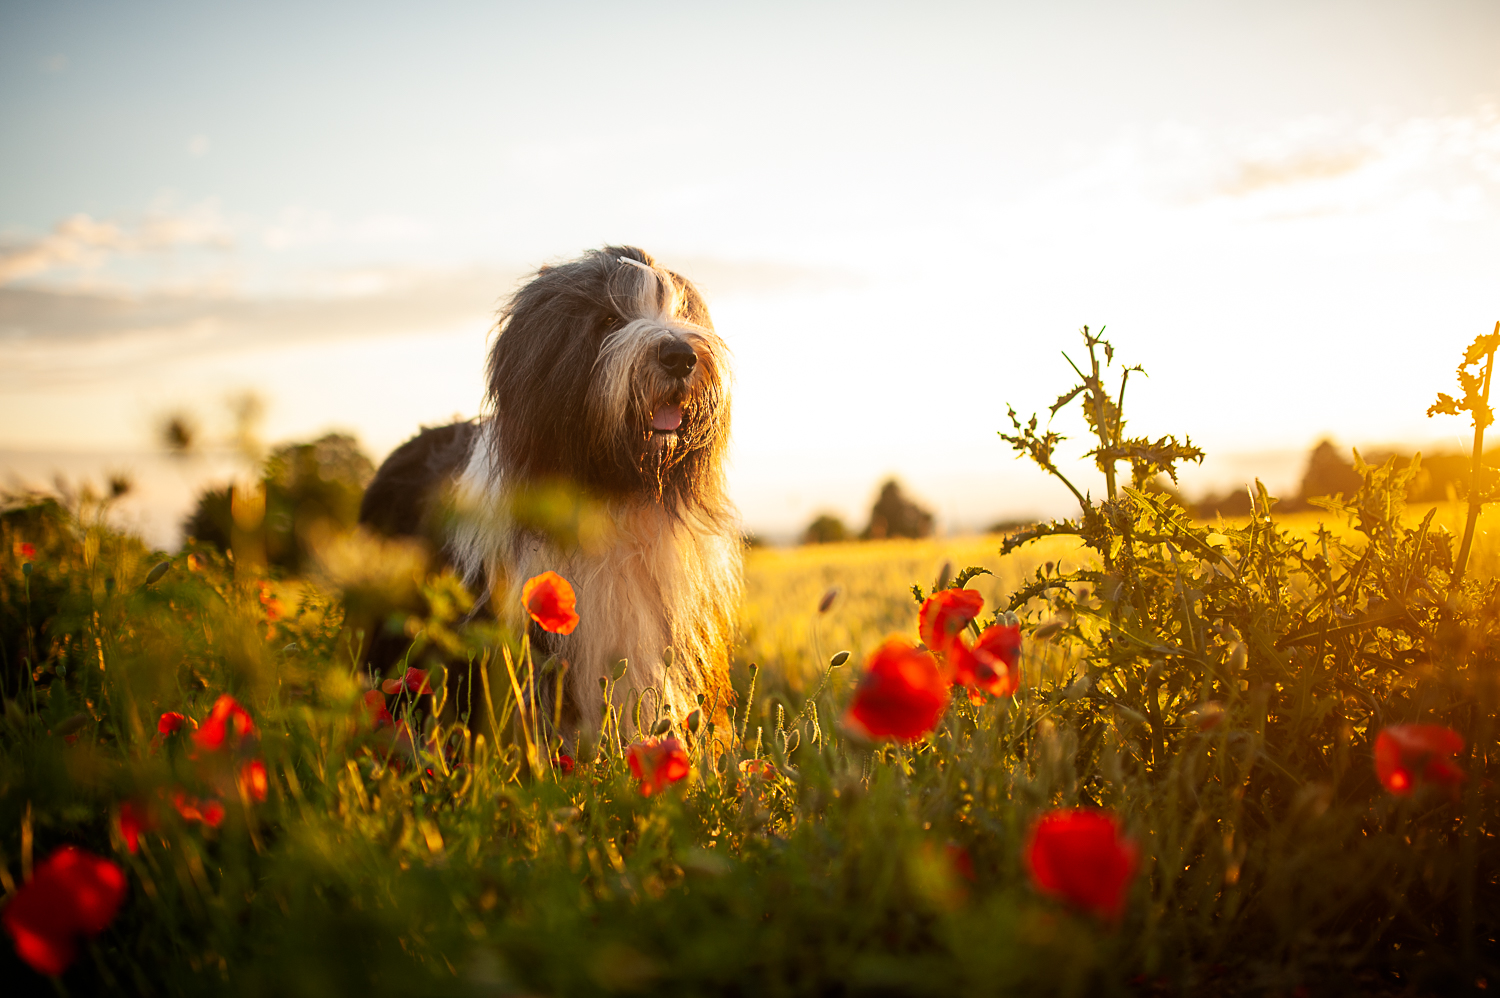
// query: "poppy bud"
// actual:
[[661, 727], [666, 658], [827, 600], [839, 658], [695, 720], [154, 576], [619, 670]]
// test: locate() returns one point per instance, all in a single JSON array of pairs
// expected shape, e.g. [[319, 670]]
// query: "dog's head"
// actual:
[[607, 373]]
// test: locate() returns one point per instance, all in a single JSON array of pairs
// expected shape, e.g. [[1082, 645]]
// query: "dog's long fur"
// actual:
[[589, 354]]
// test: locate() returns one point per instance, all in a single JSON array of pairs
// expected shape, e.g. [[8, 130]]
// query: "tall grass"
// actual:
[[444, 859]]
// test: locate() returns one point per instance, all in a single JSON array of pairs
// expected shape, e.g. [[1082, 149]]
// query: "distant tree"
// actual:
[[826, 529], [1327, 473], [895, 515], [307, 487]]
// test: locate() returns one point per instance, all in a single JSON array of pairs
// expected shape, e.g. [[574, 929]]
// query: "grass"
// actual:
[[1217, 688]]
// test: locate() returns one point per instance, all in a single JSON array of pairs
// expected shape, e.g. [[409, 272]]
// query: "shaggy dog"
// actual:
[[606, 385]]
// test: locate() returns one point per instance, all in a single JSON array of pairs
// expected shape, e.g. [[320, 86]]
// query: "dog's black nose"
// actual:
[[677, 357]]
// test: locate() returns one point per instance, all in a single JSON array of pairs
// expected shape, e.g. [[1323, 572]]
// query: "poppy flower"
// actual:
[[550, 601], [762, 769], [990, 664], [227, 726], [414, 682], [269, 601], [253, 781], [134, 821], [1410, 755], [172, 722], [73, 893], [945, 614], [1079, 856], [901, 696], [657, 763], [26, 551], [208, 812], [958, 857], [563, 764], [374, 702]]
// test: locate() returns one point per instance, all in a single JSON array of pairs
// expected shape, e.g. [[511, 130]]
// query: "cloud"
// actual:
[[73, 241], [81, 241], [1255, 175], [52, 338]]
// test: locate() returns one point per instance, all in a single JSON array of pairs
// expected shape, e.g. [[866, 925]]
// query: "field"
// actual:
[[1175, 758]]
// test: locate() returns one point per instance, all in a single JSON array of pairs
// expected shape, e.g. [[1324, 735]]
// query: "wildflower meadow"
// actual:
[[1133, 754]]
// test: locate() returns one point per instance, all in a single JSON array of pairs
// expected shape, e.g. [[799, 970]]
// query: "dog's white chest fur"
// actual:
[[646, 580]]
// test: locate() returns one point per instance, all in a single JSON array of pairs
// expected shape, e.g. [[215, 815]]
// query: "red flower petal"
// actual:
[[228, 725], [374, 703], [902, 694], [991, 664], [657, 764], [563, 764], [1079, 856], [550, 601], [73, 892], [27, 551], [253, 780], [134, 820], [945, 614], [1409, 755], [49, 955], [209, 812], [171, 722], [416, 682]]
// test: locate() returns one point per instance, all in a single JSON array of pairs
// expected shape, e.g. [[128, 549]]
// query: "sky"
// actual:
[[901, 214]]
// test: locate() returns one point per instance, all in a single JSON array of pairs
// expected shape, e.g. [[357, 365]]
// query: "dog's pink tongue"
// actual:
[[667, 418]]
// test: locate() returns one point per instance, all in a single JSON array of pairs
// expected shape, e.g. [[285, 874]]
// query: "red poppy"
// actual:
[[550, 601], [657, 764], [73, 893], [172, 722], [253, 781], [414, 682], [563, 764], [901, 696], [134, 821], [762, 769], [209, 812], [374, 702], [944, 616], [270, 602], [960, 860], [991, 663], [25, 550], [1079, 856], [228, 725], [1409, 755]]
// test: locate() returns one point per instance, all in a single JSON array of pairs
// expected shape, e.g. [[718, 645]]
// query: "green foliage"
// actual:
[[1217, 686], [826, 528], [306, 491], [895, 514]]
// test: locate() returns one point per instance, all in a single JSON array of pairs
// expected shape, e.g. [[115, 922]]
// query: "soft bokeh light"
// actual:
[[899, 213]]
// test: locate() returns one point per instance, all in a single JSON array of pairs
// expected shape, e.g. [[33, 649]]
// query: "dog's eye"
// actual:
[[608, 324]]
